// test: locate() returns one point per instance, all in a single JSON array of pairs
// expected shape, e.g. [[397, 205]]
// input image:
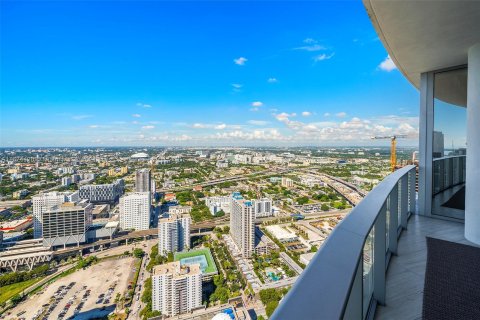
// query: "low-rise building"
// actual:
[[175, 210]]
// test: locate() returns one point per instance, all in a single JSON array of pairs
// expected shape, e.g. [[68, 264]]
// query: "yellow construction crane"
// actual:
[[393, 148]]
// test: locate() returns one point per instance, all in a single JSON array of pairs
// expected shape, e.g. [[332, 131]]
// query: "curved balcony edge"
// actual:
[[332, 285]]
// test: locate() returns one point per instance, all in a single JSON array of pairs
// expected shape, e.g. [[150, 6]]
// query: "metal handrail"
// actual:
[[448, 172], [331, 285]]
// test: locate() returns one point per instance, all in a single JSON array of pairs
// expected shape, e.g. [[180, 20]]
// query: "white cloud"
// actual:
[[310, 40], [93, 126], [217, 126], [354, 130], [143, 105], [240, 61], [256, 105], [82, 117], [272, 80], [306, 113], [135, 122], [220, 126], [237, 85], [199, 126], [341, 114], [323, 56], [136, 115], [326, 114], [311, 45], [387, 64], [257, 122], [148, 127]]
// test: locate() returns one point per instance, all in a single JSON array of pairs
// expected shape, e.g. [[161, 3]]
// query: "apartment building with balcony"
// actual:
[[402, 254], [176, 289]]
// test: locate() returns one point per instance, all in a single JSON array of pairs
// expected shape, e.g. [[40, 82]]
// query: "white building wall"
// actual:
[[174, 234], [44, 201], [135, 211]]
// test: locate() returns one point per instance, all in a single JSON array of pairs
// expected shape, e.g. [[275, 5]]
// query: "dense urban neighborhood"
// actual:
[[118, 232]]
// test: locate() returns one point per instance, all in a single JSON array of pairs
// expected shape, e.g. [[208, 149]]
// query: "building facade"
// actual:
[[66, 223], [262, 207], [287, 182], [102, 193], [135, 211], [242, 224], [44, 201], [143, 180], [176, 289], [174, 234]]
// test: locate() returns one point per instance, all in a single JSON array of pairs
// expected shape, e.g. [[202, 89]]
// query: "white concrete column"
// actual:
[[472, 189]]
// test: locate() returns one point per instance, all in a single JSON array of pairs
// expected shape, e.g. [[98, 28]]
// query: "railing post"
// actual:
[[412, 199], [379, 254], [393, 225], [403, 201]]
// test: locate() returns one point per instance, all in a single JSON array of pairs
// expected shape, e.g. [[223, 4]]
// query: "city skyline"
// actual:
[[164, 74]]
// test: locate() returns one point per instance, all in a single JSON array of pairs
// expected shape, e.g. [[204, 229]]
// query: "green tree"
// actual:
[[138, 253], [270, 307]]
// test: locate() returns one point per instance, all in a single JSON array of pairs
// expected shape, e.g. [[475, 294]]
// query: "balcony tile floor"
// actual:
[[406, 272]]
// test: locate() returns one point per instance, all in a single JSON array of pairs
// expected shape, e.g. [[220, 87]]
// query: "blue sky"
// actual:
[[198, 73]]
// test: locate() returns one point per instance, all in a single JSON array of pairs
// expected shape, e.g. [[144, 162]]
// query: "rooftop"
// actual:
[[176, 270], [183, 258]]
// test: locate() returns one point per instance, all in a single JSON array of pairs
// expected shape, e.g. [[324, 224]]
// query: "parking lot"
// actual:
[[84, 294]]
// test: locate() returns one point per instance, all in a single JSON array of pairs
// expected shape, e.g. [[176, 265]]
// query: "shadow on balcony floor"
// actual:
[[406, 272]]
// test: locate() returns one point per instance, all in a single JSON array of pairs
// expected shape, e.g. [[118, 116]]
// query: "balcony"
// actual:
[[373, 264]]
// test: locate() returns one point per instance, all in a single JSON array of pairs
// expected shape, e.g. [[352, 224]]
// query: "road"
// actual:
[[292, 264], [257, 174], [138, 305], [279, 284]]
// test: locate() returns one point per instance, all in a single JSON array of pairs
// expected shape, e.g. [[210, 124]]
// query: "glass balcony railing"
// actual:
[[346, 278], [448, 172]]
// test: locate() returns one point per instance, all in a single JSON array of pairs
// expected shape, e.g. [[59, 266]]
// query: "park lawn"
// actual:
[[9, 291], [198, 252]]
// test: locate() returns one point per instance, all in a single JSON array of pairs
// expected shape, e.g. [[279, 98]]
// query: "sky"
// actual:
[[158, 73]]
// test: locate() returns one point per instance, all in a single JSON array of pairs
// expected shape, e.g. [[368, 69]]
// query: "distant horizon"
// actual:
[[212, 147]]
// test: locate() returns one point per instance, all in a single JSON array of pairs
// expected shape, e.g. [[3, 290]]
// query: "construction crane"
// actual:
[[393, 148]]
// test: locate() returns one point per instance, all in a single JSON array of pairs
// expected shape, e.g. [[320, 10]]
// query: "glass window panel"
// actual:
[[449, 142], [368, 250]]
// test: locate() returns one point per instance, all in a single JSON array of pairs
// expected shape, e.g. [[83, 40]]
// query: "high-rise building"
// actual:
[[66, 181], [176, 289], [135, 211], [438, 144], [287, 182], [174, 233], [107, 193], [143, 180], [262, 207], [44, 201], [242, 224], [66, 223]]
